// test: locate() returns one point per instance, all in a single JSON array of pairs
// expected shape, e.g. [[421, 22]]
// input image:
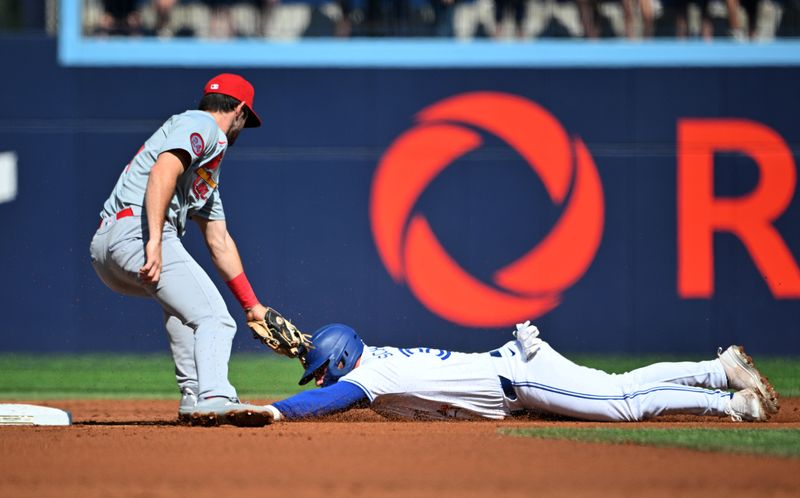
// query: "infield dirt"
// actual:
[[134, 449]]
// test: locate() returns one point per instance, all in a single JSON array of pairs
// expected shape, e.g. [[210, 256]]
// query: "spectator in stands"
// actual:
[[589, 11], [343, 27], [646, 11], [224, 25], [517, 10], [221, 25], [163, 10], [707, 26], [120, 17], [751, 9]]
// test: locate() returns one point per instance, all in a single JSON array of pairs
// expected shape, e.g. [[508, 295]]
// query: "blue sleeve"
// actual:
[[323, 401]]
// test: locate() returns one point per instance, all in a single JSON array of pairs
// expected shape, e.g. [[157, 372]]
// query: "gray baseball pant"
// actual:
[[199, 325]]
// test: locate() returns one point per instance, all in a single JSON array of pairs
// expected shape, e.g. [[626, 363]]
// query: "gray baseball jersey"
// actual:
[[196, 192], [200, 327]]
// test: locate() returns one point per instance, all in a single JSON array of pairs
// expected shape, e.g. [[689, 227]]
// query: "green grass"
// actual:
[[134, 376], [255, 375], [774, 442]]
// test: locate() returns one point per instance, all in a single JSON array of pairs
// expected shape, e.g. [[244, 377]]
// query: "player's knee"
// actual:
[[632, 411], [225, 323], [217, 323]]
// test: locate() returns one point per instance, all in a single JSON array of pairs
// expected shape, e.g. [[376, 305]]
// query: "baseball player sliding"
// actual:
[[137, 250], [525, 374]]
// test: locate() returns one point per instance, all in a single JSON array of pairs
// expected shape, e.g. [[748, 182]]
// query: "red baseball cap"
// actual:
[[239, 88]]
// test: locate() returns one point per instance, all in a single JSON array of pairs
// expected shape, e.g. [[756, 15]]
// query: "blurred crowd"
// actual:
[[498, 19]]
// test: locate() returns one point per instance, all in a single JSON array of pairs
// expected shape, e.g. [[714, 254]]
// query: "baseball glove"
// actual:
[[278, 334]]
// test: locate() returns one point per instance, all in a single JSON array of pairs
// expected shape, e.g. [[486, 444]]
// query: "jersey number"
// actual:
[[443, 354]]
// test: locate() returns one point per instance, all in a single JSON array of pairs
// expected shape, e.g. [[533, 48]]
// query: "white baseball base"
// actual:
[[17, 414]]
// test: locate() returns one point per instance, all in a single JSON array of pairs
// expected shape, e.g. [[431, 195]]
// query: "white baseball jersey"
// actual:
[[196, 192], [427, 383]]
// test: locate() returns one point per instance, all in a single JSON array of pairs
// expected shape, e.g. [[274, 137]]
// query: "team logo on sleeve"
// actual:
[[198, 146], [407, 244]]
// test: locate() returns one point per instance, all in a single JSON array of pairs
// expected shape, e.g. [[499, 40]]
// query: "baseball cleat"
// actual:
[[749, 405], [188, 402], [743, 374], [220, 411]]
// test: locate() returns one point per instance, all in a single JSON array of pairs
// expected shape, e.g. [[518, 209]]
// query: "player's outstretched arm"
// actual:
[[226, 259], [221, 246], [267, 324], [338, 397]]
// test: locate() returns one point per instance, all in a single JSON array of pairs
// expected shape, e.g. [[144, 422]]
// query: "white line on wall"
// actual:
[[8, 176]]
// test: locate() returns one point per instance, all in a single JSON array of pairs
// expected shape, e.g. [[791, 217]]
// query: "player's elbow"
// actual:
[[216, 236], [217, 243]]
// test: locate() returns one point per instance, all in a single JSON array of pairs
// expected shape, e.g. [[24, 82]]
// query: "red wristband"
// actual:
[[241, 288]]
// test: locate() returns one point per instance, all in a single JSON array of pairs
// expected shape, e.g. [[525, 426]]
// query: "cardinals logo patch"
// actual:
[[197, 144]]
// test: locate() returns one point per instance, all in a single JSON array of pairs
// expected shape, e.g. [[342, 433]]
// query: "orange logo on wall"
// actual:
[[533, 284], [750, 217]]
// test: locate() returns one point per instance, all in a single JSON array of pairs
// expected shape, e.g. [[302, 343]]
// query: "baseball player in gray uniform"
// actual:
[[137, 249], [523, 375]]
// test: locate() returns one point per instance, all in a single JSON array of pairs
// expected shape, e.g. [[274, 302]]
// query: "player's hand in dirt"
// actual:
[[151, 271]]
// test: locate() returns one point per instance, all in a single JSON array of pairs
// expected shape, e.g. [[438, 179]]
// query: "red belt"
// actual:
[[121, 214]]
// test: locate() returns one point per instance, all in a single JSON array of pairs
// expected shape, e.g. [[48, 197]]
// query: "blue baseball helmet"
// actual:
[[336, 346]]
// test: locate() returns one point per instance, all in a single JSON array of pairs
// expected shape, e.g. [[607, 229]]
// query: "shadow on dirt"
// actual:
[[164, 423]]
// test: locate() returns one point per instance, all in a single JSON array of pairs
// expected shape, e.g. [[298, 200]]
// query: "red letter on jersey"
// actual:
[[749, 217]]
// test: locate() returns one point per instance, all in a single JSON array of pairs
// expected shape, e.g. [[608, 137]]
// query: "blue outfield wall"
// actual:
[[298, 194]]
